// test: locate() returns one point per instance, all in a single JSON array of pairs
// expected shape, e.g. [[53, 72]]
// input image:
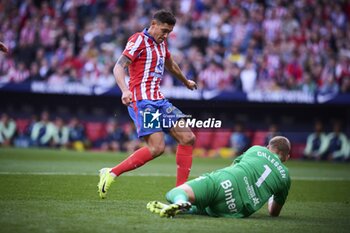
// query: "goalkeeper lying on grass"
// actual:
[[255, 177]]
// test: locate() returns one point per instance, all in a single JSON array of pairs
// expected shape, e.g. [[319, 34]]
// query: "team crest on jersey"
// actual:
[[129, 45], [169, 110], [160, 66]]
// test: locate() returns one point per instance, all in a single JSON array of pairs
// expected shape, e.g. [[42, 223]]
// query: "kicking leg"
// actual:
[[155, 147]]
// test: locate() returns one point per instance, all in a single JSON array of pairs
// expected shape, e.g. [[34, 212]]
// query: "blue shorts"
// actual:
[[152, 116]]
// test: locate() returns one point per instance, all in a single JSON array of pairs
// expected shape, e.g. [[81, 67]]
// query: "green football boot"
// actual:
[[174, 209], [106, 179], [156, 206]]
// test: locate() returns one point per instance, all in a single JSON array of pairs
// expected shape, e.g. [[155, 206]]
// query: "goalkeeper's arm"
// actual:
[[274, 208]]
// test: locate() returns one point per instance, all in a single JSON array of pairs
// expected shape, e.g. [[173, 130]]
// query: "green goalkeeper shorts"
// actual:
[[216, 194]]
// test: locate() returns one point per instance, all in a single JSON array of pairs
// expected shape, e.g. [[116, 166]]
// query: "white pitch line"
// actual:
[[306, 178], [79, 174], [311, 178]]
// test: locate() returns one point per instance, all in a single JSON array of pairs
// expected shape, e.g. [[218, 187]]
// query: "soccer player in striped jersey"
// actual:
[[256, 177], [146, 55]]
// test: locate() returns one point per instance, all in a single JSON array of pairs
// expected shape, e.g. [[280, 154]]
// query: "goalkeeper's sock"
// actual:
[[184, 163], [135, 160], [177, 195]]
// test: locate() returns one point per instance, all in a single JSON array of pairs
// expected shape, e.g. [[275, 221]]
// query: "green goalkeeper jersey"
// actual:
[[259, 174]]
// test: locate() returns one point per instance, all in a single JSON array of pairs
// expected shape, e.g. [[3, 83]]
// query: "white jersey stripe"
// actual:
[[163, 50], [162, 47], [159, 96], [136, 45], [153, 85], [154, 80], [147, 69]]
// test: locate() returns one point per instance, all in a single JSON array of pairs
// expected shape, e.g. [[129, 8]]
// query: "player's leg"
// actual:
[[185, 138], [192, 198], [181, 198], [155, 147], [180, 194], [178, 197]]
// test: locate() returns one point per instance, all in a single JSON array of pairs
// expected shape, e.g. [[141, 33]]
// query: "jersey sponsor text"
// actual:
[[230, 201]]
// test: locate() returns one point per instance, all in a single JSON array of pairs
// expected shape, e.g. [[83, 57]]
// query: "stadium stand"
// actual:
[[275, 44], [95, 130], [228, 47]]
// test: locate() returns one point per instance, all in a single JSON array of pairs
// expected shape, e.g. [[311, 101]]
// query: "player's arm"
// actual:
[[119, 74], [237, 160], [3, 47], [174, 68], [274, 208]]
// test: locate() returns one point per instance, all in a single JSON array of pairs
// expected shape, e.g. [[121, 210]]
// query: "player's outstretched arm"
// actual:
[[274, 208], [174, 68], [119, 74], [3, 47]]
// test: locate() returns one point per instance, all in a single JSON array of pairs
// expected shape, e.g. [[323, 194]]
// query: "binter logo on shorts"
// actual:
[[156, 120], [230, 200]]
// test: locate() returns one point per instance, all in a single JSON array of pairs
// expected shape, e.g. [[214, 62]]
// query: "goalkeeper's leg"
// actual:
[[181, 199]]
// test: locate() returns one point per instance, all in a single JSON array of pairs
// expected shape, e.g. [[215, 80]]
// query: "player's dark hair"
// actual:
[[165, 16], [280, 144]]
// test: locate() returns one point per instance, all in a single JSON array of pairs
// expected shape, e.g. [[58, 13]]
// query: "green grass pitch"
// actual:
[[55, 191]]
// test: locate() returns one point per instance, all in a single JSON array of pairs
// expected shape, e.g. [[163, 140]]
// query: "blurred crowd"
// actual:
[[48, 132], [333, 145], [234, 45], [111, 135]]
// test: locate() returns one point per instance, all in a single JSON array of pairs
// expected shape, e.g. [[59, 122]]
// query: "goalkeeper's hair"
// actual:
[[165, 16], [281, 145]]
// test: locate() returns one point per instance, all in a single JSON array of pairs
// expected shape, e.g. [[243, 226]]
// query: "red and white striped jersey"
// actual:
[[147, 65]]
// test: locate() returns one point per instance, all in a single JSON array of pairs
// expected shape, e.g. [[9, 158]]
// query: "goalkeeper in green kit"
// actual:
[[256, 177]]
